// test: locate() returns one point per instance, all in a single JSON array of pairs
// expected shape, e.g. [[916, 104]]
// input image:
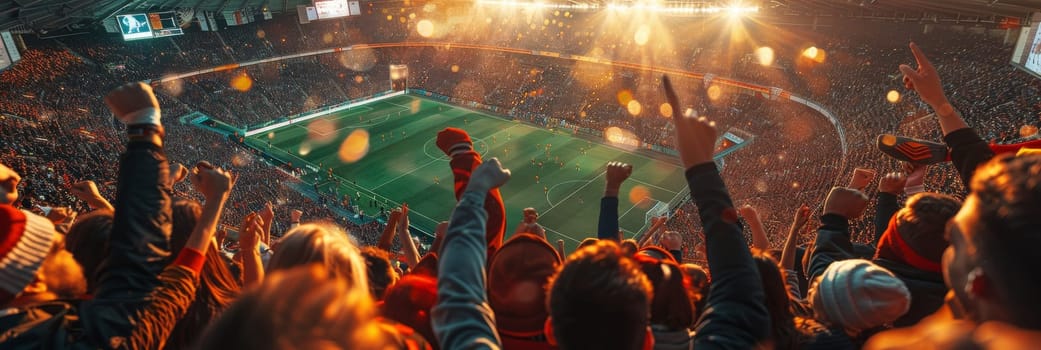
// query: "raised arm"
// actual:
[[802, 215], [755, 224], [249, 252], [87, 191], [735, 315], [462, 318], [833, 243], [387, 238], [889, 188], [968, 150], [607, 227], [139, 296], [408, 247]]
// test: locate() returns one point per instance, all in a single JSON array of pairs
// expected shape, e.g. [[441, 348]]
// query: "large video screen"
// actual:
[[1027, 53], [134, 26], [332, 9], [148, 25], [1033, 55]]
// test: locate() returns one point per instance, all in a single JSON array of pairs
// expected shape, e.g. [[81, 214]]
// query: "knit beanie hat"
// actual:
[[517, 278], [448, 138], [857, 295], [25, 241], [915, 235], [409, 302]]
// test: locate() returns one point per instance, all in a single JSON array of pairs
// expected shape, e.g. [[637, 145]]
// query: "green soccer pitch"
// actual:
[[403, 162]]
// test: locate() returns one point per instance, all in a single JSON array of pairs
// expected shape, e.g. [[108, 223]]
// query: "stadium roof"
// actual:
[[41, 16], [941, 8]]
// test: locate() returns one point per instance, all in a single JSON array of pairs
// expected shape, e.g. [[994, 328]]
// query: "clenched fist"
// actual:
[[845, 202]]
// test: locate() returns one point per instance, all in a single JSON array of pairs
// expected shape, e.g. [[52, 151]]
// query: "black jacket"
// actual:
[[735, 315], [139, 297]]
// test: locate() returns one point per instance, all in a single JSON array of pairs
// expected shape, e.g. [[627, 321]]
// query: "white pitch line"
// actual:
[[654, 186], [406, 174], [561, 234], [572, 194]]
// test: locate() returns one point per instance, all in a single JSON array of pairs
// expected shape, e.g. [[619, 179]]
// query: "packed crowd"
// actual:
[[146, 269]]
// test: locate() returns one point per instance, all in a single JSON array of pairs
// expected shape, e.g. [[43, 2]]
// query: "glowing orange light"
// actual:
[[666, 110], [624, 97], [634, 107], [355, 146], [714, 92], [425, 28], [893, 96], [241, 82], [638, 194]]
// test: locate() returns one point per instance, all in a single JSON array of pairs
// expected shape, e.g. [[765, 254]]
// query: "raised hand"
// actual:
[[214, 183], [861, 178], [747, 211], [617, 172], [134, 103], [268, 212], [671, 241], [9, 180], [250, 233], [924, 80], [915, 178], [802, 216], [178, 173], [489, 175], [695, 137], [845, 202], [294, 215], [892, 183], [87, 191]]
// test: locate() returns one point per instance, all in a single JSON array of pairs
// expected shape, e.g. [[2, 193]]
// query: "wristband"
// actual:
[[914, 189], [945, 109], [148, 115], [136, 130]]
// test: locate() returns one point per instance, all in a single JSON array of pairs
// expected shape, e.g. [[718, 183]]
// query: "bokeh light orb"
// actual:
[[638, 194], [455, 68], [624, 97], [765, 56], [666, 110], [355, 146], [634, 107], [241, 82], [643, 34], [321, 130], [714, 92], [893, 96], [425, 28]]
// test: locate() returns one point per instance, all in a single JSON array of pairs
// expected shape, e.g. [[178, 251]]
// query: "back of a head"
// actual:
[[1007, 234], [857, 295], [324, 244], [300, 308], [672, 303], [600, 300], [920, 229], [410, 301], [218, 287], [517, 276], [379, 270], [87, 240], [698, 276], [782, 322]]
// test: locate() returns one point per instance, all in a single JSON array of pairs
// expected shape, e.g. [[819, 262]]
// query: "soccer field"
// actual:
[[403, 162]]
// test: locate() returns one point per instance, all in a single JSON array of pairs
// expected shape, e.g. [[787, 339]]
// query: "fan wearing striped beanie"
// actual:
[[29, 249]]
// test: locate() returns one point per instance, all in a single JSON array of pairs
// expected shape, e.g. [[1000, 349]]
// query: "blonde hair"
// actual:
[[306, 307], [325, 244]]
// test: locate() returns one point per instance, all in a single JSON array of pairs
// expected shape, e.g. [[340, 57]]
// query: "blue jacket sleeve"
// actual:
[[735, 316], [462, 318], [832, 244], [608, 224]]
